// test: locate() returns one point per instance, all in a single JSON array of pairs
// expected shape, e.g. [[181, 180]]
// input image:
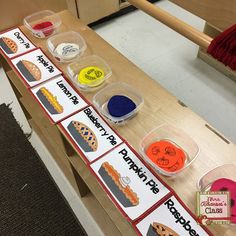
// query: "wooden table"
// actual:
[[159, 107]]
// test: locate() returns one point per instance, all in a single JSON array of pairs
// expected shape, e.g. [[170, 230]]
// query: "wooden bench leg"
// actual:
[[19, 97], [67, 147], [82, 186]]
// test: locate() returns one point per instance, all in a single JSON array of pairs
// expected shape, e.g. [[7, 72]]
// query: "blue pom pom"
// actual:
[[120, 105]]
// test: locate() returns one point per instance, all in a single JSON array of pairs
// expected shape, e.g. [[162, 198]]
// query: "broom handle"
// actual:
[[174, 23]]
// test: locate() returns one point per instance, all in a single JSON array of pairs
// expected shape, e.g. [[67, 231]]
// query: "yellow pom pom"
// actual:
[[91, 76]]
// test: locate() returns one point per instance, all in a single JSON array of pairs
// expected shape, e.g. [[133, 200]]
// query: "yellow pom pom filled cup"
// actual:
[[89, 73], [91, 76]]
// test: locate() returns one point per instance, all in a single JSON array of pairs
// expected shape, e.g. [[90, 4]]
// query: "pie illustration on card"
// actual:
[[157, 229], [29, 70], [83, 135], [118, 185], [8, 45], [49, 101]]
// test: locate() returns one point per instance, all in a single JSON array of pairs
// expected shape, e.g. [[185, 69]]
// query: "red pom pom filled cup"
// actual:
[[43, 24], [168, 150]]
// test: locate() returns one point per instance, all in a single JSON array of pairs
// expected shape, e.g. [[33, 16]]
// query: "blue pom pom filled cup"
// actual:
[[110, 100]]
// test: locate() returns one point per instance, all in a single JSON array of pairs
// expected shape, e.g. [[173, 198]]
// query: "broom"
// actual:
[[222, 48]]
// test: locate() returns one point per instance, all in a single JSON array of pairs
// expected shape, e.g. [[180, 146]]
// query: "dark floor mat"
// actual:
[[30, 202]]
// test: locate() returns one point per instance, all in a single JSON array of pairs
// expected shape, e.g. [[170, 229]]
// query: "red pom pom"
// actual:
[[46, 28]]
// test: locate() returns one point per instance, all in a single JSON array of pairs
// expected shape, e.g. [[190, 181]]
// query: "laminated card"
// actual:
[[13, 43], [58, 98], [35, 68], [170, 218], [91, 135], [132, 186]]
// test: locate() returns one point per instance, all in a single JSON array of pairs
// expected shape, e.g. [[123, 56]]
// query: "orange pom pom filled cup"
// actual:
[[168, 150]]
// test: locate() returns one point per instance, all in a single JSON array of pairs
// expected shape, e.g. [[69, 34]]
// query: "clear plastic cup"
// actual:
[[74, 69], [175, 136], [69, 38], [227, 171], [39, 18], [100, 100]]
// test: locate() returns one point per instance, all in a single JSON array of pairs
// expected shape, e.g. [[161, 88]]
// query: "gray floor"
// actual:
[[169, 59]]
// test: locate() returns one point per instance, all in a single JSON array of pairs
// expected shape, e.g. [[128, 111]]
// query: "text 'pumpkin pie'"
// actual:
[[8, 45], [29, 70], [83, 135], [49, 101]]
